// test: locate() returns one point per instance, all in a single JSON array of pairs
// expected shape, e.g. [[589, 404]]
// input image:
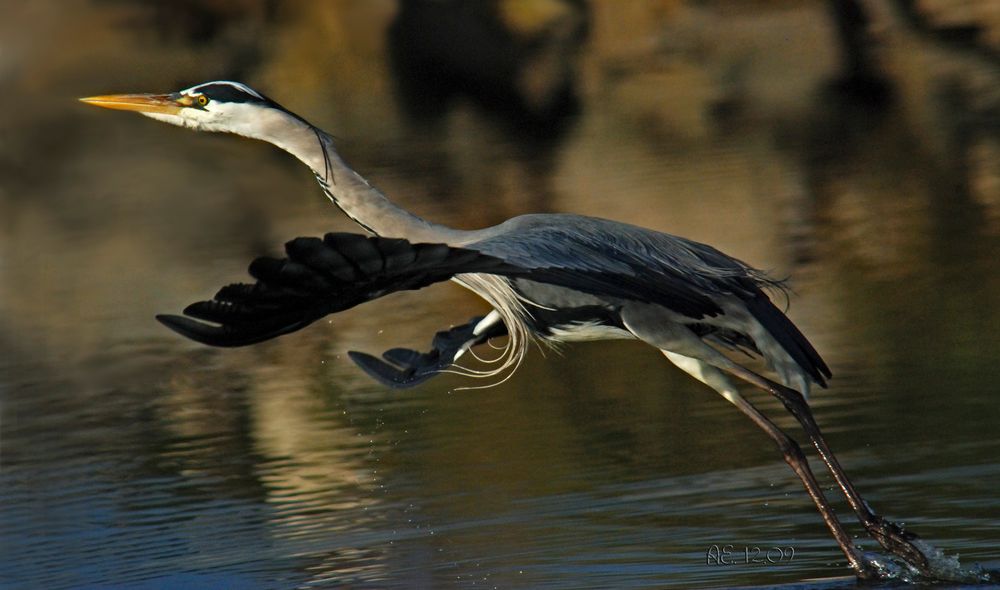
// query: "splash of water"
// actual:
[[940, 568]]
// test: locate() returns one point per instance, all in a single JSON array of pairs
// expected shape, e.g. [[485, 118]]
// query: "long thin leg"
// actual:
[[891, 536], [790, 450]]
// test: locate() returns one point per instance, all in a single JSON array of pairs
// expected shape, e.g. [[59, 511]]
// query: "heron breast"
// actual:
[[585, 330]]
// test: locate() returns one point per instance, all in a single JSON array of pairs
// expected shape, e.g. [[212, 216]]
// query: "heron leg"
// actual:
[[790, 450], [890, 535]]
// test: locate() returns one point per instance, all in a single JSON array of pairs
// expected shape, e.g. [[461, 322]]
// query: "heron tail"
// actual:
[[789, 337]]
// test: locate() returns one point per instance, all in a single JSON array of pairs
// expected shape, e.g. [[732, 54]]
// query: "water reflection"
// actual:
[[130, 457]]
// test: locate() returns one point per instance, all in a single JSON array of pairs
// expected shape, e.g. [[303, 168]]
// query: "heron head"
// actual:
[[223, 106]]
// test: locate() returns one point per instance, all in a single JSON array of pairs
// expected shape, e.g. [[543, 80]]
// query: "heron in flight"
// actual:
[[548, 277]]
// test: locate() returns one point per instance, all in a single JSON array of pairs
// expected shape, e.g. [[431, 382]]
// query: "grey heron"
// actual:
[[550, 277]]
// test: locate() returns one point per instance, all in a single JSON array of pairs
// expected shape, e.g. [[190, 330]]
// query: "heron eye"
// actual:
[[202, 100]]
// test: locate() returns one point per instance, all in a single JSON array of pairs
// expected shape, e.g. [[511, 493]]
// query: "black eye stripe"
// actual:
[[228, 93]]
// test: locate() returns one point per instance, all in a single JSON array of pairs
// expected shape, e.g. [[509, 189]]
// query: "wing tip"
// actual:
[[383, 372], [203, 332], [176, 323]]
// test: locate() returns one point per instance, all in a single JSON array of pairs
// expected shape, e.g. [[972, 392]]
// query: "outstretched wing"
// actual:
[[403, 367], [320, 277]]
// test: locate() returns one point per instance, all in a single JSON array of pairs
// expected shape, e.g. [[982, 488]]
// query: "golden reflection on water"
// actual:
[[709, 120]]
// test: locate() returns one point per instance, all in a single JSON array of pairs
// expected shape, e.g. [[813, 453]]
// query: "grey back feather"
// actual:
[[606, 257]]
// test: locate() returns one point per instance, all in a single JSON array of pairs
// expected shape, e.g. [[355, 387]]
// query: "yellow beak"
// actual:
[[143, 103]]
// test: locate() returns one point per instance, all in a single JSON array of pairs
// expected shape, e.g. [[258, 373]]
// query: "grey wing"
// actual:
[[607, 258]]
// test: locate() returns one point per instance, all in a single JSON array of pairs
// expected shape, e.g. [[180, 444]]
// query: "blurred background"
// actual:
[[852, 146]]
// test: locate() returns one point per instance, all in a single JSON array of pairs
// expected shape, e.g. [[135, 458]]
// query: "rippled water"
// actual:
[[130, 458]]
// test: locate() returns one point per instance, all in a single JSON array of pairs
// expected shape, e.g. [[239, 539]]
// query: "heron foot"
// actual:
[[898, 541]]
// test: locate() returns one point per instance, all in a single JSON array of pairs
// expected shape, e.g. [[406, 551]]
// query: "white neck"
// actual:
[[346, 188]]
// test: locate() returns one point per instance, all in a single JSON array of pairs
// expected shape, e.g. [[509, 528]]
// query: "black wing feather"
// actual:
[[320, 277]]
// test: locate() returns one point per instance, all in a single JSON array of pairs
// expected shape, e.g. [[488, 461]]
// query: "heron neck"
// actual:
[[353, 194]]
